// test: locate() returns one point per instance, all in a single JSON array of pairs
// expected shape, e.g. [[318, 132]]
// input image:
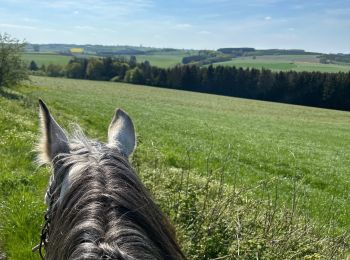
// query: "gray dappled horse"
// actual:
[[97, 206]]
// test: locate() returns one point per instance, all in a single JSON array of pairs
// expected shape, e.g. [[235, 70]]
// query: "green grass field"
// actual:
[[304, 150], [46, 58], [160, 60], [285, 63]]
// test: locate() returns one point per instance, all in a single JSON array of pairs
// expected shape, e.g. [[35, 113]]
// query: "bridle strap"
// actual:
[[45, 229], [43, 237]]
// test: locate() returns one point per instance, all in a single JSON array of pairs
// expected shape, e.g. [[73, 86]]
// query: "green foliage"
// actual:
[[12, 69], [137, 76], [121, 68], [206, 57], [76, 68], [21, 182], [132, 62], [33, 66], [73, 70], [54, 70], [94, 69]]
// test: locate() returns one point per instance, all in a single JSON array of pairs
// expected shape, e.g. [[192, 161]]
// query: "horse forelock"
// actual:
[[100, 208]]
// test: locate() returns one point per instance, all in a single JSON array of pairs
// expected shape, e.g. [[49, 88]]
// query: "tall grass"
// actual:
[[219, 221]]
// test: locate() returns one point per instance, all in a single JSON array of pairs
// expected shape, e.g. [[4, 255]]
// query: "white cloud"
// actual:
[[267, 18]]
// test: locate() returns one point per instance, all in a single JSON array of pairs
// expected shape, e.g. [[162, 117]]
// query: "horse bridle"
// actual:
[[45, 228]]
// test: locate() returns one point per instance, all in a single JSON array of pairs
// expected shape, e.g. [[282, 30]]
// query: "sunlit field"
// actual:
[[303, 151], [285, 63]]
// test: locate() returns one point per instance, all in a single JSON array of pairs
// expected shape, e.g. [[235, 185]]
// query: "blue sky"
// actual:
[[199, 24]]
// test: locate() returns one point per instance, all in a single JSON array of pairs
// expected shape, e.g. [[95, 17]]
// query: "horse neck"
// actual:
[[108, 212]]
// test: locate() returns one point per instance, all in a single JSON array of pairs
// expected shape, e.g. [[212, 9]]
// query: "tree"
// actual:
[[95, 69], [75, 70], [132, 62], [54, 70], [33, 66], [138, 77], [12, 68], [109, 70], [121, 69]]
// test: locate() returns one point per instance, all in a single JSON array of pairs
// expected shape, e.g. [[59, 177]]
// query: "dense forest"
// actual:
[[328, 90]]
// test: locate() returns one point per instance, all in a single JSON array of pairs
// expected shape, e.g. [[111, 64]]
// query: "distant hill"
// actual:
[[103, 50], [246, 57]]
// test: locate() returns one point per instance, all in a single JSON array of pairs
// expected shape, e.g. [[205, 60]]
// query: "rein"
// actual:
[[44, 230]]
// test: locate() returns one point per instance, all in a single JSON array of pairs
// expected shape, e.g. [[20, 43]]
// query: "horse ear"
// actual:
[[121, 133], [53, 139]]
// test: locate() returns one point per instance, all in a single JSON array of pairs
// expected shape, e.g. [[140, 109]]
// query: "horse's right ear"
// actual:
[[53, 139], [121, 133]]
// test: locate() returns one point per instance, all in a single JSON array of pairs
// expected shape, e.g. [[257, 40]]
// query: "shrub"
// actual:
[[12, 68]]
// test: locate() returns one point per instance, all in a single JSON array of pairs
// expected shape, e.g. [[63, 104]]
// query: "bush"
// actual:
[[12, 68]]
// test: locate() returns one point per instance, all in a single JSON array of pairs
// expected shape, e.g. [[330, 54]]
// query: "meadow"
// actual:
[[46, 58], [299, 155], [286, 63], [159, 60]]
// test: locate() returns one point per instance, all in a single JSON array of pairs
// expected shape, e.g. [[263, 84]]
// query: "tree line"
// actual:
[[327, 90]]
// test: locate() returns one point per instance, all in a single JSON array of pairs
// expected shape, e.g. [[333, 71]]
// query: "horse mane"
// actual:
[[106, 212]]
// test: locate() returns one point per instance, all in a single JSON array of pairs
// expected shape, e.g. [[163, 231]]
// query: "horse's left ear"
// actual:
[[121, 133], [53, 139]]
